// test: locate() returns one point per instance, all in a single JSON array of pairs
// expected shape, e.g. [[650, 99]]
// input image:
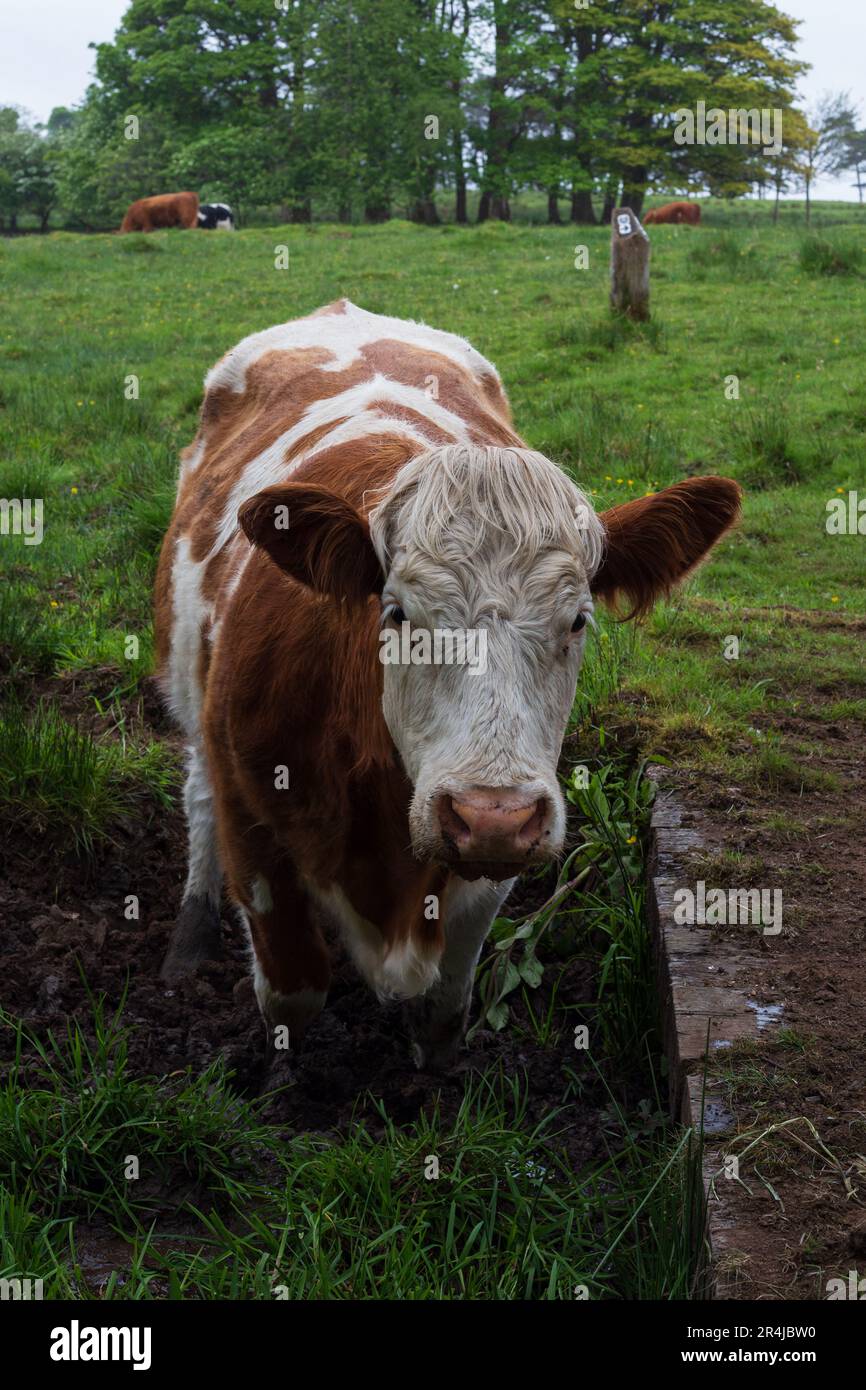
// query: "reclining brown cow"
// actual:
[[165, 210], [689, 213]]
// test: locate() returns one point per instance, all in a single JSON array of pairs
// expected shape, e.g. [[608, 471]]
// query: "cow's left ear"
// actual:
[[653, 542], [316, 537]]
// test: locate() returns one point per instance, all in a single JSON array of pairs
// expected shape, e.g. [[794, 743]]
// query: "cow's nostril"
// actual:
[[533, 826], [452, 824]]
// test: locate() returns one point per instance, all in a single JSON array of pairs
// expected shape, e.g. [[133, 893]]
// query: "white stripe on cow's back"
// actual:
[[191, 613], [236, 566], [195, 621], [271, 466], [344, 335], [194, 457]]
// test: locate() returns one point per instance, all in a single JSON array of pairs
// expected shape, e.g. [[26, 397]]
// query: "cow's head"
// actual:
[[485, 563]]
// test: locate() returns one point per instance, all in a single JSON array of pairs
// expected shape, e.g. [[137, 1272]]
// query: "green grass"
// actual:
[[596, 907], [821, 255], [500, 1214], [611, 401], [58, 779], [626, 409]]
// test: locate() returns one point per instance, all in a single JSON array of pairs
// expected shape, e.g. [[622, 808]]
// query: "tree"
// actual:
[[195, 75], [278, 104], [784, 167], [458, 17], [27, 182], [104, 162], [831, 125], [509, 92], [854, 158], [362, 106], [637, 62]]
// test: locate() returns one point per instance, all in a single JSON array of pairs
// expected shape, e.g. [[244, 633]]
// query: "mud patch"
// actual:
[[793, 1087], [66, 938], [65, 934]]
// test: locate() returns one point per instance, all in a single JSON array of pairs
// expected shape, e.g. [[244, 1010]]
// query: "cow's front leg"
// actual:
[[437, 1020], [291, 963]]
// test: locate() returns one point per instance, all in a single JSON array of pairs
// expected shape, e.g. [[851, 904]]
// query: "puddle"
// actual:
[[716, 1118], [765, 1014]]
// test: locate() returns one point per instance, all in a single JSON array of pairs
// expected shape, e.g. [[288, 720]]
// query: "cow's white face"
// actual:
[[480, 736], [485, 608]]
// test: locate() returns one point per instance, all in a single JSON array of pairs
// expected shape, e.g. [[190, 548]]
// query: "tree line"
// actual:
[[365, 109]]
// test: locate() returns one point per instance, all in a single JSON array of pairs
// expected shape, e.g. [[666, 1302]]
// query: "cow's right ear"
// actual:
[[316, 537]]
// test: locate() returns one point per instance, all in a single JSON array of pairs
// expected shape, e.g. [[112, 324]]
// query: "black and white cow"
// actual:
[[216, 217]]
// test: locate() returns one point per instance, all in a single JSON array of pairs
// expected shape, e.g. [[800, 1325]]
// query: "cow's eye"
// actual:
[[579, 623]]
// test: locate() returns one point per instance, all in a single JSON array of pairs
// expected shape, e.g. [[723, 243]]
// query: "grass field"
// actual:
[[104, 344], [625, 410]]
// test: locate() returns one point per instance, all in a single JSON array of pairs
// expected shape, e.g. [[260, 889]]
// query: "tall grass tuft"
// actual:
[[728, 254], [764, 440], [145, 490], [599, 437], [822, 256], [56, 779], [595, 339], [30, 638]]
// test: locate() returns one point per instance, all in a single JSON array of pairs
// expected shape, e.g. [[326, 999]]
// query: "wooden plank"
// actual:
[[697, 971]]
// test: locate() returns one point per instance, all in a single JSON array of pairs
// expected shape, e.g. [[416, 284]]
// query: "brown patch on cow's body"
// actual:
[[433, 434], [481, 409], [337, 307], [295, 681], [384, 456], [163, 210], [492, 388]]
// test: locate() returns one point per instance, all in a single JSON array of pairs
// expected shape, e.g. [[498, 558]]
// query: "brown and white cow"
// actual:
[[688, 214], [164, 210], [356, 482]]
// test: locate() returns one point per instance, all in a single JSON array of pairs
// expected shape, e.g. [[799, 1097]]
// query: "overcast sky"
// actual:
[[45, 60]]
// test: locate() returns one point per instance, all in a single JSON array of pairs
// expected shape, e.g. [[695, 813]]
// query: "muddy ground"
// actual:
[[63, 924], [798, 1218], [58, 928]]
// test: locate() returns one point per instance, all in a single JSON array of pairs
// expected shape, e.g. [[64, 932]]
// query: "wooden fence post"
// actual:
[[629, 265]]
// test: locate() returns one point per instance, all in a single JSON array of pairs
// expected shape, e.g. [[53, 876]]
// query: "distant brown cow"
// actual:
[[165, 210], [689, 213]]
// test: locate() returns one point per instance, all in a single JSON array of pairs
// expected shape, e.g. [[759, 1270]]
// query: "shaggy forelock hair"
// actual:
[[449, 503]]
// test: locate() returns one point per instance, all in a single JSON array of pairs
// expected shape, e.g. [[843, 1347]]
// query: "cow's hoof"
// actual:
[[437, 1061], [195, 938], [436, 1038], [436, 1057]]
